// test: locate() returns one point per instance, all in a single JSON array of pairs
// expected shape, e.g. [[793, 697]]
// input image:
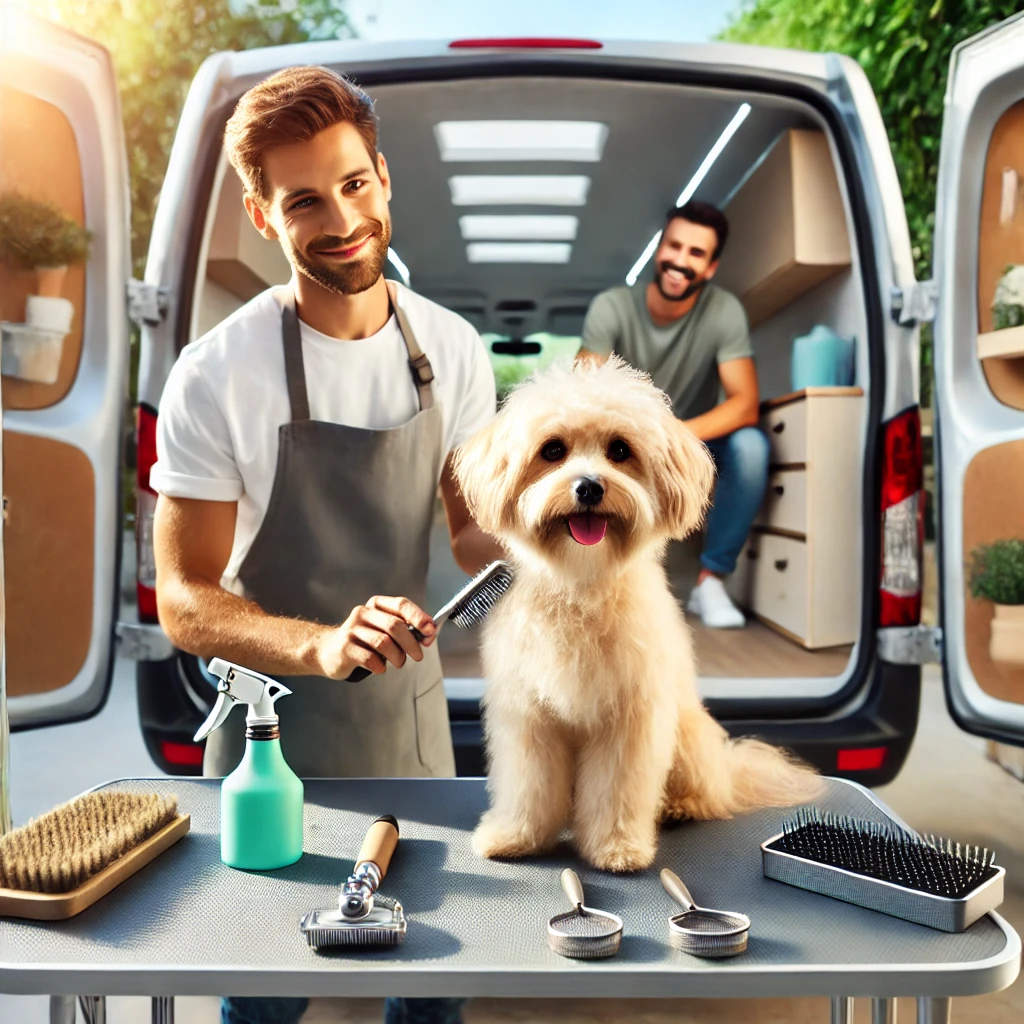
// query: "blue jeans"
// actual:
[[287, 1010], [742, 462]]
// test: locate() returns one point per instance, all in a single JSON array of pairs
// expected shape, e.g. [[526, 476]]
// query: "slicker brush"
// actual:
[[65, 859], [926, 879]]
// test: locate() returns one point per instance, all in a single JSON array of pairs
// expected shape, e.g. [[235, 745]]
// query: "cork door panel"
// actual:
[[998, 470], [49, 487], [39, 158], [1001, 242]]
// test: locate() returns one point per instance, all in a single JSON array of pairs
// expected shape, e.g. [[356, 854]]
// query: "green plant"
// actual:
[[997, 571], [35, 233], [1008, 304]]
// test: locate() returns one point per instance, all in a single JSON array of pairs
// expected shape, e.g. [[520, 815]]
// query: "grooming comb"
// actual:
[[468, 607], [363, 916], [925, 879], [66, 859]]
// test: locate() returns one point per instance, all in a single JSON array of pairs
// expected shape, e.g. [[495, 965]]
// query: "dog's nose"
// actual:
[[588, 491]]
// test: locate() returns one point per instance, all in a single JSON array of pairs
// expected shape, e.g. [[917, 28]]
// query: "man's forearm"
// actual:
[[723, 419], [473, 549], [205, 619]]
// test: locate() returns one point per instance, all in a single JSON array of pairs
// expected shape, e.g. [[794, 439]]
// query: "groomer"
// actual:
[[301, 444]]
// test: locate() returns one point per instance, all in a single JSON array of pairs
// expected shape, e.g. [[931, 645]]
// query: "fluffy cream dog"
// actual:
[[592, 716]]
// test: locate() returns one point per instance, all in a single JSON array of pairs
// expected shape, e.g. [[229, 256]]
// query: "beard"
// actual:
[[695, 283], [351, 277]]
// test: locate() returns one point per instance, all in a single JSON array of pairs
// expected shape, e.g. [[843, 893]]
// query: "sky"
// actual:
[[670, 20]]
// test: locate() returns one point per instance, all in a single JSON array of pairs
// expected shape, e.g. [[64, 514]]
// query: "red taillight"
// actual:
[[902, 521], [145, 507], [185, 755], [527, 43], [860, 759]]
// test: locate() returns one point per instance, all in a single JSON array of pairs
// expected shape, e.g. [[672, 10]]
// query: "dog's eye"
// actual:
[[553, 451], [618, 450]]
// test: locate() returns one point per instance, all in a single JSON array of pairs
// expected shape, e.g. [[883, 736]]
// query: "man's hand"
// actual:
[[373, 636]]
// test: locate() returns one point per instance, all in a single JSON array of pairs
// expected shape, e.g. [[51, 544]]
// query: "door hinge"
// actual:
[[910, 645], [147, 303], [142, 641], [914, 304]]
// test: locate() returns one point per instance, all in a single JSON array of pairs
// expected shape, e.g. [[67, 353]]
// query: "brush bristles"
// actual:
[[59, 850], [473, 608], [327, 936], [931, 864]]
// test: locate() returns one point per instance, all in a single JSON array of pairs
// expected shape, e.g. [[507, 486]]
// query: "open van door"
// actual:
[[65, 366], [979, 373]]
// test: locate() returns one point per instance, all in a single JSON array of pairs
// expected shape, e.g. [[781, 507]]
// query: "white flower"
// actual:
[[1010, 290]]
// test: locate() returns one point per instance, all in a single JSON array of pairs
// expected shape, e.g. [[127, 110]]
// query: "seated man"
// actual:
[[692, 337]]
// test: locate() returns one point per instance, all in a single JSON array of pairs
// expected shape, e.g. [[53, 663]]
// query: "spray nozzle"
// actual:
[[240, 685]]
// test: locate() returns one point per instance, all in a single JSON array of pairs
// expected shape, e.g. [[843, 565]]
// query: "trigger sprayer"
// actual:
[[261, 800]]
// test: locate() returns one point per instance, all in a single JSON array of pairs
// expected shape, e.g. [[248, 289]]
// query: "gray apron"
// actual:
[[349, 517]]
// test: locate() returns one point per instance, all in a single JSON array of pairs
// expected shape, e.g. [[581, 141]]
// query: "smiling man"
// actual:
[[692, 337], [300, 445]]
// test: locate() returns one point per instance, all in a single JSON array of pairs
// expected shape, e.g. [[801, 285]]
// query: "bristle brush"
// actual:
[[467, 608], [928, 880]]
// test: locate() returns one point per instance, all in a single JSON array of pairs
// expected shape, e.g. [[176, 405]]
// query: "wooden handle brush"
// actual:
[[63, 861]]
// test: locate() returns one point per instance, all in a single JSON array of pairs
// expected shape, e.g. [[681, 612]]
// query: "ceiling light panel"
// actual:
[[521, 140], [519, 189], [518, 252], [519, 227]]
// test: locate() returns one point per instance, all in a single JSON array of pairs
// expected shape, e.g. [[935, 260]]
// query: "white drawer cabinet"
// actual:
[[800, 570]]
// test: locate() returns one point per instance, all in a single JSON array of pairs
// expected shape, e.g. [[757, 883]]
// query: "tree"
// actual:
[[157, 46]]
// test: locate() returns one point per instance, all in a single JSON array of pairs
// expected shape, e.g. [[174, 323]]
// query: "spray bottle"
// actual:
[[261, 800]]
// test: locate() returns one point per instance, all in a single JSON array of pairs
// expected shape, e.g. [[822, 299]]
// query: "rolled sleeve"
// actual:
[[477, 404]]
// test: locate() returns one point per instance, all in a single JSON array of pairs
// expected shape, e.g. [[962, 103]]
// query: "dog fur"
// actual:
[[591, 714]]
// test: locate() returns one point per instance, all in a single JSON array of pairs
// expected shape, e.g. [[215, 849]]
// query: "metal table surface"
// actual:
[[187, 924]]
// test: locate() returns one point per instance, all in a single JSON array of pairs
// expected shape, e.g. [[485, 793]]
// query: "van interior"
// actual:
[[516, 201]]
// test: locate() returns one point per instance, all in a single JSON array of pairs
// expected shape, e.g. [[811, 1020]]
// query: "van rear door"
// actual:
[[979, 382], [64, 393]]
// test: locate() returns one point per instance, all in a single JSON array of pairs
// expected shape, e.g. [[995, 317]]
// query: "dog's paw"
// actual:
[[494, 839], [622, 856]]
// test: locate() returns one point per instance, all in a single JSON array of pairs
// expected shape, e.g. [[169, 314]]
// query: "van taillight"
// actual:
[[902, 521], [145, 507]]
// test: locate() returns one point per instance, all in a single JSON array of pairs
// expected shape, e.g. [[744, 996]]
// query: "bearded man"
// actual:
[[692, 337]]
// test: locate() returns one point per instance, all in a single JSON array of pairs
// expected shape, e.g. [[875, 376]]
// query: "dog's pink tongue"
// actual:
[[587, 529]]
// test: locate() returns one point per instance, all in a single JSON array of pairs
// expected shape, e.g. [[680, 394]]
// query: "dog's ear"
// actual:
[[684, 479], [481, 468]]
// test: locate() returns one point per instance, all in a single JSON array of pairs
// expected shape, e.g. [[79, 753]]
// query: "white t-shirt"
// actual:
[[226, 396]]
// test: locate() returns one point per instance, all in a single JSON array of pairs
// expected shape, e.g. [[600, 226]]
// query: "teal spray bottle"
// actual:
[[261, 800]]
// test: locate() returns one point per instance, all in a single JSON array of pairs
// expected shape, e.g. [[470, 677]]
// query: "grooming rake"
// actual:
[[467, 608], [699, 930], [583, 933]]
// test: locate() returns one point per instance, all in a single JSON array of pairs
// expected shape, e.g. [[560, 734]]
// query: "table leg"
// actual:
[[842, 1010], [883, 1011], [94, 1009], [933, 1010], [63, 1009], [163, 1010]]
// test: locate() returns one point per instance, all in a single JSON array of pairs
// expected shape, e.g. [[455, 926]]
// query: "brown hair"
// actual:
[[708, 216], [293, 105]]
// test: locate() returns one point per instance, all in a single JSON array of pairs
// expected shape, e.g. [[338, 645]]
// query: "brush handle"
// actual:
[[674, 887], [572, 887], [379, 844], [356, 674]]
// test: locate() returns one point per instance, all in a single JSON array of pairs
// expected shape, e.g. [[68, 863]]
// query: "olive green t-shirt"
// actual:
[[683, 357]]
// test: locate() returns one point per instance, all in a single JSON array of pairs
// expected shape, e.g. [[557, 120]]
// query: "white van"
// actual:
[[791, 144]]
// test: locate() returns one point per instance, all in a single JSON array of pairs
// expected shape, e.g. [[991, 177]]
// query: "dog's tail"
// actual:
[[714, 776]]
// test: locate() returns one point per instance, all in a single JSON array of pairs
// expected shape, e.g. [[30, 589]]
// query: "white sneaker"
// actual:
[[710, 601]]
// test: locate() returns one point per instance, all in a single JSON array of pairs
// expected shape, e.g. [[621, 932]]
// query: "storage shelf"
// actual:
[[1005, 344]]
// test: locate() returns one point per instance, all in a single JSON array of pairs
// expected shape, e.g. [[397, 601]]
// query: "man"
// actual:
[[692, 337], [300, 447]]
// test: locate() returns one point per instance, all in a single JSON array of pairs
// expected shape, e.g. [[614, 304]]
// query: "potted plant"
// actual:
[[1008, 303], [38, 235], [997, 573]]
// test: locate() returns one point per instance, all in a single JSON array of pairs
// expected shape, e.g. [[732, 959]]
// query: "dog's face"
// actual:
[[584, 465]]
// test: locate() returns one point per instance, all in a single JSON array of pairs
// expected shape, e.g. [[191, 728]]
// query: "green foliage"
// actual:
[[157, 47], [35, 233], [997, 571], [904, 47]]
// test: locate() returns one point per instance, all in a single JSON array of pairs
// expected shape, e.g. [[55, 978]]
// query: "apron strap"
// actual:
[[295, 371]]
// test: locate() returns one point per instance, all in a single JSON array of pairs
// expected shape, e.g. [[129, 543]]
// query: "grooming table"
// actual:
[[187, 924]]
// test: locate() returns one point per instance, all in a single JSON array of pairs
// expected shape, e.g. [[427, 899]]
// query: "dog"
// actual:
[[591, 714]]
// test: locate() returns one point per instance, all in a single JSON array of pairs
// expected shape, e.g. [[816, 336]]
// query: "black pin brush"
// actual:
[[468, 607], [929, 880]]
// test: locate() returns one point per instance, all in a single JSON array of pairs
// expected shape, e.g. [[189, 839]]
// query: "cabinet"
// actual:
[[800, 571], [787, 226]]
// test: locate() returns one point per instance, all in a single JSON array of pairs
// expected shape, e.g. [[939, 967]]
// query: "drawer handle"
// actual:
[[779, 427], [779, 490], [781, 563]]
